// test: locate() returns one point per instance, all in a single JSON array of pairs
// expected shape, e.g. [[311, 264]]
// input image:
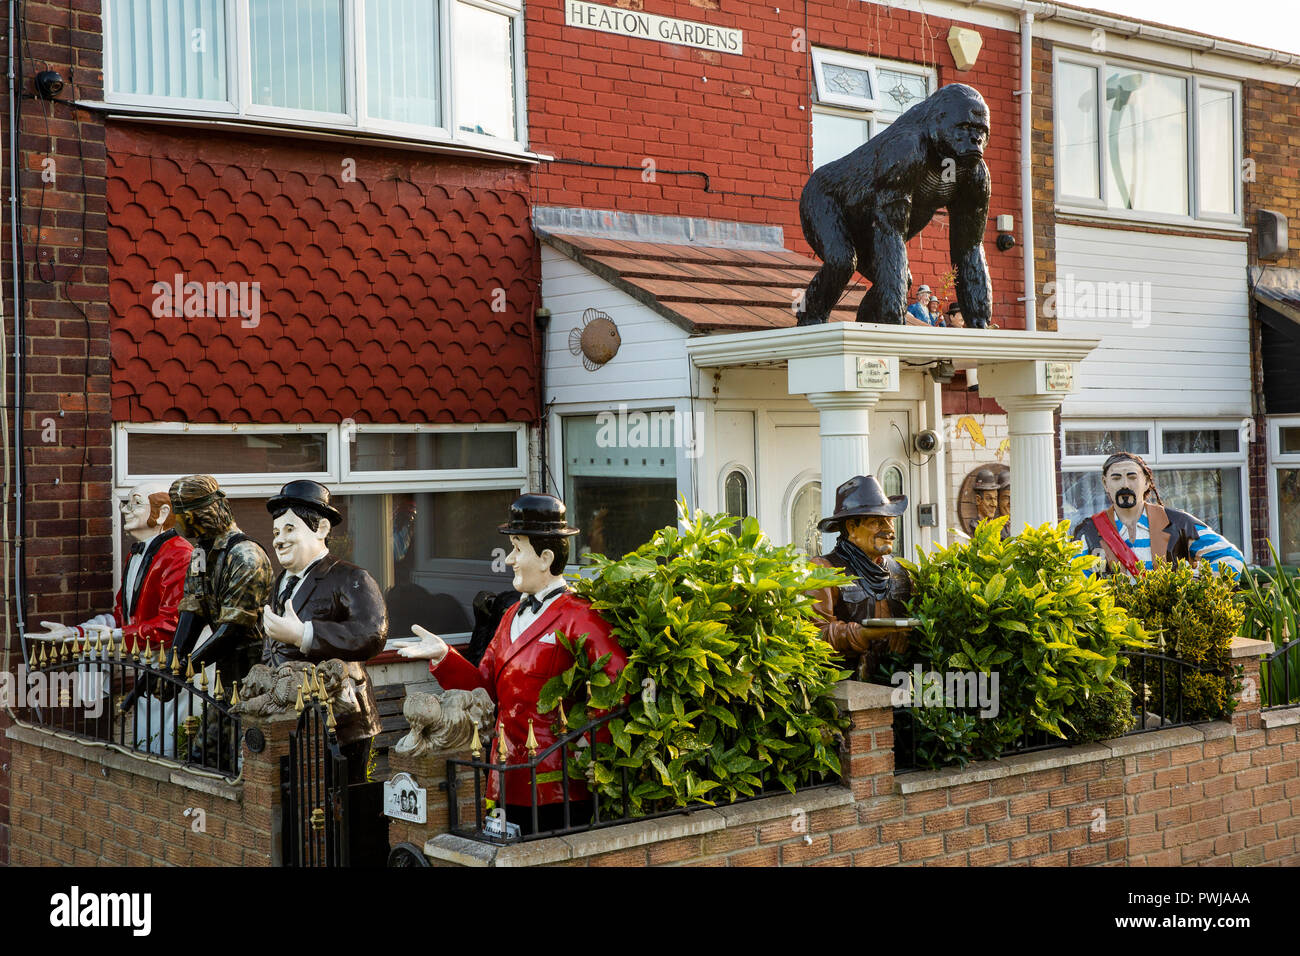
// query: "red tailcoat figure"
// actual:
[[514, 674], [161, 584]]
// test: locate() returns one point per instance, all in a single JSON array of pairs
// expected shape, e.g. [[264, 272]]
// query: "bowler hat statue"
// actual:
[[860, 497], [537, 514], [311, 495]]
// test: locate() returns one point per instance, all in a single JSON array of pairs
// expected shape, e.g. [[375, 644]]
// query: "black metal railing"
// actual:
[[1160, 701], [313, 786], [134, 698], [495, 828], [1279, 675]]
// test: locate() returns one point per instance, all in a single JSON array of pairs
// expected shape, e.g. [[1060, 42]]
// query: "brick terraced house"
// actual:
[[361, 241]]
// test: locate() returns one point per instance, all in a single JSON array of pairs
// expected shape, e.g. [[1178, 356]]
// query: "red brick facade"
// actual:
[[1270, 114], [730, 136]]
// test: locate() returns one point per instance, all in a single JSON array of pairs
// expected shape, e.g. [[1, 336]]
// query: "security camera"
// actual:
[[927, 442]]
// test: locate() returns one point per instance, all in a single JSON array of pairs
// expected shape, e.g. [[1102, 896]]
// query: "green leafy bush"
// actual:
[[1023, 607], [1193, 615], [1271, 602], [728, 678]]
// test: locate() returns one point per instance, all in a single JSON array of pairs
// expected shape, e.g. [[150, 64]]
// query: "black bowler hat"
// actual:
[[859, 497], [306, 494], [537, 514]]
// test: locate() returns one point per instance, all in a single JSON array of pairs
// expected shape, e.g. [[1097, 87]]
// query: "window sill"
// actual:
[[1087, 214], [289, 128]]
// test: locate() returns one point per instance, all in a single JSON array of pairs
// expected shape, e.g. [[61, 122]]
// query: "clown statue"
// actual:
[[524, 654], [1134, 529], [852, 615], [146, 609]]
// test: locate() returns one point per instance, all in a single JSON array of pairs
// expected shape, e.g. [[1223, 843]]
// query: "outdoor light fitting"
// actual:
[[49, 84]]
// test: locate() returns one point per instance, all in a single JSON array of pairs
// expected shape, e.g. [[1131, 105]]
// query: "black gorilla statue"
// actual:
[[858, 211]]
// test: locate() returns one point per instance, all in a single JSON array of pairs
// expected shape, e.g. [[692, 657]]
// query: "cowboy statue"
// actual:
[[860, 620], [1133, 530]]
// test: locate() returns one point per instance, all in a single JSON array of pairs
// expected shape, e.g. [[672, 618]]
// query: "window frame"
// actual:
[[355, 118], [751, 493], [822, 56], [519, 470], [1159, 461], [1277, 460], [878, 115], [1100, 205]]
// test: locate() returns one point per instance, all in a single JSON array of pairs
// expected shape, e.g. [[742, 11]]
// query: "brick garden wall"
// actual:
[[1219, 793], [83, 805]]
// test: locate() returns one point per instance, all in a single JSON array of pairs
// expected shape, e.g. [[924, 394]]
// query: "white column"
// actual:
[[843, 387], [1030, 391], [844, 424], [1033, 459]]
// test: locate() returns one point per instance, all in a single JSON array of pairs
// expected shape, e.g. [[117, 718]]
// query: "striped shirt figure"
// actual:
[[1159, 531], [1208, 546]]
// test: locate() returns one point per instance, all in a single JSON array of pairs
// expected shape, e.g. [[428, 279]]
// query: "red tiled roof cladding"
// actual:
[[377, 294], [705, 288]]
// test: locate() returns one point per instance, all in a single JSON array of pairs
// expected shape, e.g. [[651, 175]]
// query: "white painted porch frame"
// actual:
[[1010, 367]]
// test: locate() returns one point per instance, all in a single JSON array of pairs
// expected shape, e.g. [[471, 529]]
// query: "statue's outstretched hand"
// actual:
[[52, 632], [430, 647]]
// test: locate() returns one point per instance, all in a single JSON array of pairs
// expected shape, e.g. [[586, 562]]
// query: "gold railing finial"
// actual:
[[530, 745], [502, 750], [476, 745]]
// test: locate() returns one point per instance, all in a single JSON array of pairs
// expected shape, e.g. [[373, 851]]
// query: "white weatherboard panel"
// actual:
[[1193, 358], [651, 362]]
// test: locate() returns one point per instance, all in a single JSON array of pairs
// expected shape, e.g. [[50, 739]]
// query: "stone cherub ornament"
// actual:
[[859, 211], [445, 723], [267, 691], [852, 616]]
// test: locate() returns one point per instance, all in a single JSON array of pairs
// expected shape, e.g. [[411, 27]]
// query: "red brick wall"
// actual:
[[66, 425], [1269, 112], [76, 810], [378, 293], [1231, 797], [600, 98]]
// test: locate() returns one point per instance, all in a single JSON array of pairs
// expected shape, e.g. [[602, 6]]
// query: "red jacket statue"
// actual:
[[514, 673], [160, 585]]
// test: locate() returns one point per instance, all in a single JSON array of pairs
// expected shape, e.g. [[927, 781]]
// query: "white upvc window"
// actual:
[[1284, 486], [428, 70], [421, 503], [858, 96], [1146, 143], [1200, 467]]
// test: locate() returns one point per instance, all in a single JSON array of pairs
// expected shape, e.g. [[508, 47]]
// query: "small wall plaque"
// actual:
[[873, 373], [1059, 376], [403, 800]]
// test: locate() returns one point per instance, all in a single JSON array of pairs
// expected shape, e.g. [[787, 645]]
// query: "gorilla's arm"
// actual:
[[968, 213]]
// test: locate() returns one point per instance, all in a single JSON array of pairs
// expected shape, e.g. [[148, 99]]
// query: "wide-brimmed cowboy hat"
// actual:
[[311, 495], [860, 497], [537, 514]]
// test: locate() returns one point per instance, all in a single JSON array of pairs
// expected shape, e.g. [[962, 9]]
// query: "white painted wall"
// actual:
[[1193, 359], [651, 362]]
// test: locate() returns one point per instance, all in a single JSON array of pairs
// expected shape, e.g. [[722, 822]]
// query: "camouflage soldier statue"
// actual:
[[228, 582]]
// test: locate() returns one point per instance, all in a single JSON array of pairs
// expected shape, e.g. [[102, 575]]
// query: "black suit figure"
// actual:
[[859, 211], [324, 609]]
